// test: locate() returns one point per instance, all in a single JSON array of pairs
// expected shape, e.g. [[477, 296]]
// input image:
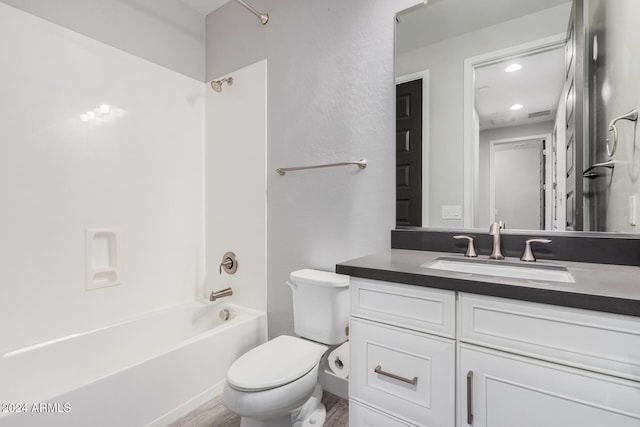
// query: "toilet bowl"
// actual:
[[276, 383], [273, 380]]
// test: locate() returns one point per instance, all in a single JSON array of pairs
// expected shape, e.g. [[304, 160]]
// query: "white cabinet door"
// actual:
[[497, 389]]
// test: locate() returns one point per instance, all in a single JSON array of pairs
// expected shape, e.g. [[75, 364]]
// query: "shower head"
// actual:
[[217, 84]]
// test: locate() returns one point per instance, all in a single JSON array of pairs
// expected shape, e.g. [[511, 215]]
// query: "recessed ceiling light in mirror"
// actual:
[[512, 68], [516, 107]]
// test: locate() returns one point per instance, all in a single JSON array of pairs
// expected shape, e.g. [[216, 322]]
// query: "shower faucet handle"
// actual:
[[229, 263], [471, 249]]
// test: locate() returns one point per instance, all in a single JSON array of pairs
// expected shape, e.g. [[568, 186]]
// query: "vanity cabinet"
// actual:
[[402, 355], [459, 359]]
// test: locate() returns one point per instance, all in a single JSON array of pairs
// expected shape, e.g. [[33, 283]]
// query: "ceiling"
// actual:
[[204, 7], [536, 86], [423, 25]]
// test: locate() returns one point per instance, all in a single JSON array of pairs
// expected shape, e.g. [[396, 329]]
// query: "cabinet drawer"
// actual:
[[383, 355], [363, 416], [593, 340], [414, 307]]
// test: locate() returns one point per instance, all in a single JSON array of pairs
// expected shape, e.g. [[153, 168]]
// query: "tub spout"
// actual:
[[220, 294]]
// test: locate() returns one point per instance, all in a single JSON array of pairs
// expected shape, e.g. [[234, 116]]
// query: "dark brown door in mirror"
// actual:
[[409, 153]]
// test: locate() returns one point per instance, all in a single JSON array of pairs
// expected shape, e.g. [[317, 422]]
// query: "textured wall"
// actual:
[[139, 169], [330, 98], [166, 32]]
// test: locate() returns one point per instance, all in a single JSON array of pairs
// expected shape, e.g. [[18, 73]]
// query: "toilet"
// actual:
[[276, 383]]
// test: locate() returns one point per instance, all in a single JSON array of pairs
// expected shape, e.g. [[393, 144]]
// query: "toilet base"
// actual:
[[312, 413]]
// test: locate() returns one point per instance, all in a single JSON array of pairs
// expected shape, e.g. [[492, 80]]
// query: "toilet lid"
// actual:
[[274, 363]]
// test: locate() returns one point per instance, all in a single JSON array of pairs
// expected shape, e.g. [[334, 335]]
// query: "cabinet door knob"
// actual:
[[469, 389], [378, 370]]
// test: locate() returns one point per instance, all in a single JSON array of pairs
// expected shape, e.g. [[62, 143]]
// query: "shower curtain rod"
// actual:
[[264, 18]]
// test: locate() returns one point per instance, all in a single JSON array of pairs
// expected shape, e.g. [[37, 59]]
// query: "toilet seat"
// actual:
[[271, 403], [274, 363]]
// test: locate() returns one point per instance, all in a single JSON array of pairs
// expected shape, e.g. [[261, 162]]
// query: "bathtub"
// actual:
[[147, 371]]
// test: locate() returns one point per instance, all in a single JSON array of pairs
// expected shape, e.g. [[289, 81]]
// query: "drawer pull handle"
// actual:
[[379, 370], [469, 389]]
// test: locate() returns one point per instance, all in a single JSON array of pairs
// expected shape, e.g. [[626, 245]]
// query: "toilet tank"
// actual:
[[320, 305]]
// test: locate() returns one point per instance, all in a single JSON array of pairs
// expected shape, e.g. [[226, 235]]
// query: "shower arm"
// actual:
[[264, 18]]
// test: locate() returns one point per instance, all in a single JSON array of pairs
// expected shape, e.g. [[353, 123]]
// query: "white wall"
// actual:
[[445, 61], [166, 32], [236, 208], [331, 98], [485, 138], [516, 169], [140, 169]]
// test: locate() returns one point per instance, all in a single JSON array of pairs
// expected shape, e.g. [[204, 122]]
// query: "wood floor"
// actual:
[[214, 414]]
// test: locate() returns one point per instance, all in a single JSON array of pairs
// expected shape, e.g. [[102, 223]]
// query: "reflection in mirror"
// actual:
[[503, 104], [515, 99]]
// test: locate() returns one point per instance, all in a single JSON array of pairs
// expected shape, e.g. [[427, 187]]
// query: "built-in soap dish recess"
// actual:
[[102, 257]]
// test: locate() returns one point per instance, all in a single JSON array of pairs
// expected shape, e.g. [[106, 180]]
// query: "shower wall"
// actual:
[[235, 197], [138, 168]]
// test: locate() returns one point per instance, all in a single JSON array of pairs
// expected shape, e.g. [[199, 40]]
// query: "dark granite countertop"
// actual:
[[601, 287]]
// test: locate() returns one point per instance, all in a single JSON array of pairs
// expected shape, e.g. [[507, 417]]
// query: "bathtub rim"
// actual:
[[238, 309]]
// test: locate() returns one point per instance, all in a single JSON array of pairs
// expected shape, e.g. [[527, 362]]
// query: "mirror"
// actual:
[[503, 110]]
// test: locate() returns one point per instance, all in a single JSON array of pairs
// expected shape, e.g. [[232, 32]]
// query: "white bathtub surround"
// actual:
[[138, 169], [236, 205], [150, 370], [102, 265]]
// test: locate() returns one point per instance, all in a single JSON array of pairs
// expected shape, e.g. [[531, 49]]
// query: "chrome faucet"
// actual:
[[220, 294], [494, 230]]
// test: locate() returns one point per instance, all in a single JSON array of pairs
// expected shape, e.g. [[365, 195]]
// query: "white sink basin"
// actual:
[[495, 268]]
